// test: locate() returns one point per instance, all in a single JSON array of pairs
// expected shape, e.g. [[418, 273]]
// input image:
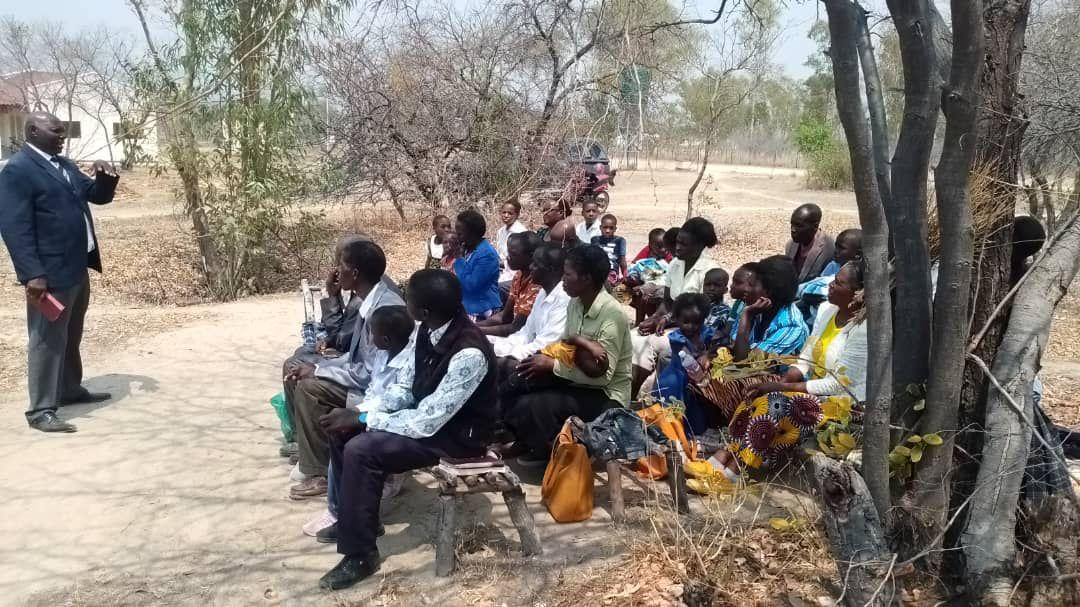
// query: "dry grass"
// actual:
[[725, 553], [987, 208]]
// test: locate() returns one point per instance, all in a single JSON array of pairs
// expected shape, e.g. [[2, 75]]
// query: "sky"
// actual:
[[792, 51]]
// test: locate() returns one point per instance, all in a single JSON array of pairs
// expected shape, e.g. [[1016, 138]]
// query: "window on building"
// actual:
[[116, 131], [74, 129]]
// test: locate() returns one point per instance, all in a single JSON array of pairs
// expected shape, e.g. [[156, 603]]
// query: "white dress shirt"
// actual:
[[464, 375], [391, 381], [90, 245], [680, 280], [585, 233], [502, 239], [544, 326]]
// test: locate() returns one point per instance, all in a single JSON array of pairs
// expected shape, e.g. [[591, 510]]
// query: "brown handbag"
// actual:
[[567, 490]]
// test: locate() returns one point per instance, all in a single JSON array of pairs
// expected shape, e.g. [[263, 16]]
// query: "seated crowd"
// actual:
[[497, 344]]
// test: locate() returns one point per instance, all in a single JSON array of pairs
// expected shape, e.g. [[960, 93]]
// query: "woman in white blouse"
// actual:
[[837, 347]]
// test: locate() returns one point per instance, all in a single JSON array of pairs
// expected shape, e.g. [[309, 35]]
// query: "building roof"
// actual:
[[11, 96], [17, 87], [30, 78]]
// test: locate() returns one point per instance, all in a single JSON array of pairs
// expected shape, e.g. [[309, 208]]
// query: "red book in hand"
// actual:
[[50, 307]]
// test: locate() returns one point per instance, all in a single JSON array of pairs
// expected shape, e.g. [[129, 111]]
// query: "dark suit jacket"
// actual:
[[41, 218]]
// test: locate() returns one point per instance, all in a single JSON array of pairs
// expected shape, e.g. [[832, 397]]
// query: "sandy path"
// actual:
[[174, 491]]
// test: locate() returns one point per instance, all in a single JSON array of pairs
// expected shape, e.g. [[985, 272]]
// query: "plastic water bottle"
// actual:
[[693, 369]]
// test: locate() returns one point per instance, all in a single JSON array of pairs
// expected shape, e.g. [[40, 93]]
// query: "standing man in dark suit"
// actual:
[[46, 224]]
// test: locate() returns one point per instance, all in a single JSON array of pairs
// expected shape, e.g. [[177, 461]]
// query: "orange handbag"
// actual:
[[567, 490], [655, 466]]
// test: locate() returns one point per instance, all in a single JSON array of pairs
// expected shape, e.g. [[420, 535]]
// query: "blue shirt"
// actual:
[[478, 272], [831, 269], [785, 334], [736, 314], [674, 381], [810, 295], [615, 247], [719, 322]]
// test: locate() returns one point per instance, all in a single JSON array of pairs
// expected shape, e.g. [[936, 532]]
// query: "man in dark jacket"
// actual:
[[46, 224], [450, 415]]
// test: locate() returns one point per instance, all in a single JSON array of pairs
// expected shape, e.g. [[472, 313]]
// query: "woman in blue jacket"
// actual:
[[477, 267]]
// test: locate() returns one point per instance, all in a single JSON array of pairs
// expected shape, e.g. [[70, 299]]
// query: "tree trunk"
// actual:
[[879, 124], [844, 31], [989, 536], [855, 533], [1000, 133], [906, 210], [960, 103], [697, 180]]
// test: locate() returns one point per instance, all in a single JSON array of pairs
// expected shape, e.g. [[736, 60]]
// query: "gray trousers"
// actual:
[[54, 369], [309, 400]]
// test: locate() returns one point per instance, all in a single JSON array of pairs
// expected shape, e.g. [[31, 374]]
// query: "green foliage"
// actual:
[[829, 169], [238, 124], [813, 135], [818, 88], [828, 163], [903, 457]]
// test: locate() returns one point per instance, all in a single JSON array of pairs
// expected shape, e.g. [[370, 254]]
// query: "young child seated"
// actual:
[[614, 246], [435, 249], [655, 249], [589, 228], [451, 250], [715, 288], [646, 277], [509, 214], [689, 358], [392, 332], [740, 286]]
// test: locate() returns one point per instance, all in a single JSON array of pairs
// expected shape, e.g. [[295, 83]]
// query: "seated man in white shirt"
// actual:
[[547, 319], [453, 389]]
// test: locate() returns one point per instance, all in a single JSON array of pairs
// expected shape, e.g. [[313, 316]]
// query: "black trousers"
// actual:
[[362, 462], [535, 417], [54, 365]]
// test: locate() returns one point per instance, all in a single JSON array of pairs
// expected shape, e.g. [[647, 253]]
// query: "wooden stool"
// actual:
[[452, 490], [676, 479]]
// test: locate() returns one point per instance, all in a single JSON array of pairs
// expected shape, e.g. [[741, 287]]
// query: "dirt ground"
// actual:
[[173, 493]]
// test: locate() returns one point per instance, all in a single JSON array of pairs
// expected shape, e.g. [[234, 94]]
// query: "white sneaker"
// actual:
[[393, 485], [319, 523], [296, 475]]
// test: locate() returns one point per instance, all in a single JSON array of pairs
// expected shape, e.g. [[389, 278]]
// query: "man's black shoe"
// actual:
[[328, 535], [48, 422], [349, 571], [87, 398]]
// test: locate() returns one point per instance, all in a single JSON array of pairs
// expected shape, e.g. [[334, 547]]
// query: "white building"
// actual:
[[93, 124]]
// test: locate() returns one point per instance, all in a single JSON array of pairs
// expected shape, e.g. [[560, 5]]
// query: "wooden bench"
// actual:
[[676, 480], [452, 490]]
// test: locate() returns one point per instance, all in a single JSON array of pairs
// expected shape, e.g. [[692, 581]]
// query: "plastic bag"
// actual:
[[282, 410]]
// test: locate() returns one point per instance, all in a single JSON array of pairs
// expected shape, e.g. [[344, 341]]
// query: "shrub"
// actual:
[[829, 168], [828, 164]]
